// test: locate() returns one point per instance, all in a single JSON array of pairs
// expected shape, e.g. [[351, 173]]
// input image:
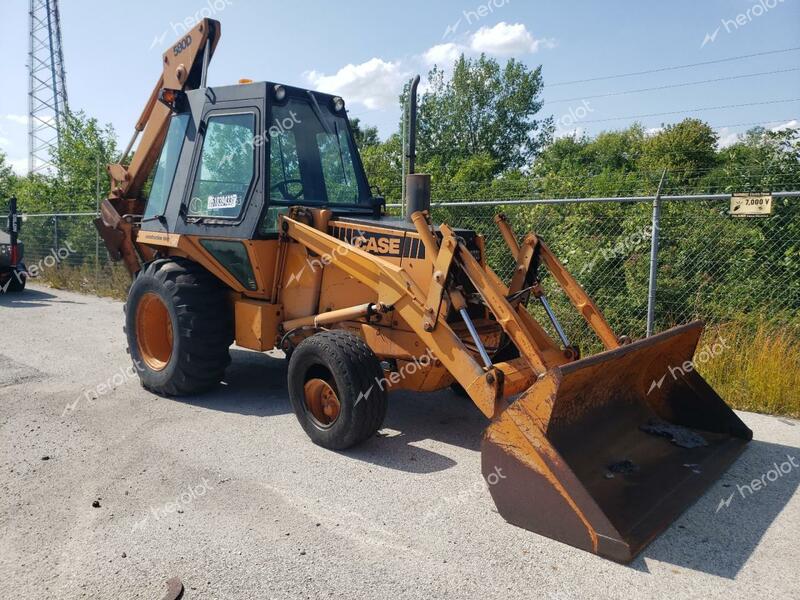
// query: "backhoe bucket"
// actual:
[[604, 453]]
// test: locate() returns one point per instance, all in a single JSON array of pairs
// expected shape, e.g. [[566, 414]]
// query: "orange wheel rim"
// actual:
[[322, 402], [153, 331]]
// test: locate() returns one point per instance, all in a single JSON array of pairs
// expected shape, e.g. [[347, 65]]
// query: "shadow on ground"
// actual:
[[255, 384], [31, 298], [412, 417], [720, 533]]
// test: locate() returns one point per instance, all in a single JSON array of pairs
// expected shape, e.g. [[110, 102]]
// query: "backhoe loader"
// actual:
[[244, 215]]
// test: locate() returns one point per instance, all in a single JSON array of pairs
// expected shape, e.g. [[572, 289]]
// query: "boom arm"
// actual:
[[184, 68]]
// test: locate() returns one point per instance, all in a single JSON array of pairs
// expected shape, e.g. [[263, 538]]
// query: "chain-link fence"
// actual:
[[710, 265], [742, 275], [66, 251]]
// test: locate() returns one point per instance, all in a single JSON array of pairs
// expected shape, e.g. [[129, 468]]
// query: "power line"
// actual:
[[691, 110], [731, 125], [675, 68], [674, 85], [778, 121]]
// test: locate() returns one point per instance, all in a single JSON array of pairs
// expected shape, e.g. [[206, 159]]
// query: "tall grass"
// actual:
[[760, 369], [109, 280]]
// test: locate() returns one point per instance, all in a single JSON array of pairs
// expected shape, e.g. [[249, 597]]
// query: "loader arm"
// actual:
[[396, 290], [185, 65], [488, 385]]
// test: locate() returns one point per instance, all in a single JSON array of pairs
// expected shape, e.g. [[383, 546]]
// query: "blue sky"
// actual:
[[366, 50]]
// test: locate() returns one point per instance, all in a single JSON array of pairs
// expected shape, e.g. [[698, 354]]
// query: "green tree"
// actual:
[[688, 150], [382, 163], [8, 180], [606, 165], [85, 144], [483, 109], [761, 160], [618, 150], [365, 137]]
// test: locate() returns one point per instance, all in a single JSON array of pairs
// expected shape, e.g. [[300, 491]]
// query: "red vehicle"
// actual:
[[13, 273]]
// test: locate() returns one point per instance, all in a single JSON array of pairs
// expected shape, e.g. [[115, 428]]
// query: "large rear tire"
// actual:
[[337, 389], [179, 327]]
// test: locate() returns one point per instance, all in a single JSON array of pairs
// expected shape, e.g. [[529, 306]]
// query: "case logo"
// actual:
[[380, 244]]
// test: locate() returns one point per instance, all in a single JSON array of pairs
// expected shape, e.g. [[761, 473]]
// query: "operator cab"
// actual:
[[236, 157]]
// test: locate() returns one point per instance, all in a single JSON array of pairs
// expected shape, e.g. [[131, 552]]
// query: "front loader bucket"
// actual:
[[604, 453]]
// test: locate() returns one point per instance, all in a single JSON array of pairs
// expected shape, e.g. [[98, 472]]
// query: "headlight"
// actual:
[[280, 93], [338, 104]]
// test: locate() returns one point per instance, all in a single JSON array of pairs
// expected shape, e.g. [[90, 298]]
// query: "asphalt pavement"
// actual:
[[107, 491]]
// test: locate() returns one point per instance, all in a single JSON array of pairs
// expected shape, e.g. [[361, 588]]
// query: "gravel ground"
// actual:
[[226, 492]]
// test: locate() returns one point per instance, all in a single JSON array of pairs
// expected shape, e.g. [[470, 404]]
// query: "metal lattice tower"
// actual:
[[47, 91]]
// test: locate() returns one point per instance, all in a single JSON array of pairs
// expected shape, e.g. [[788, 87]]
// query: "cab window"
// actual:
[[337, 167], [312, 157], [284, 167], [226, 168]]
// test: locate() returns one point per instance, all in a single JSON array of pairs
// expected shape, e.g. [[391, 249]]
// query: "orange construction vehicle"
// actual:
[[245, 216]]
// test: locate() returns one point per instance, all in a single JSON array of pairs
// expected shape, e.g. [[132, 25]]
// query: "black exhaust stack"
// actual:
[[418, 187], [412, 126], [418, 194]]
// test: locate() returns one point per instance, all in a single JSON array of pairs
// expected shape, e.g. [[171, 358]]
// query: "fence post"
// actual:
[[653, 283], [96, 233]]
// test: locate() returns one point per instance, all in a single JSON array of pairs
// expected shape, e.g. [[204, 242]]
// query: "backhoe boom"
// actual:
[[184, 68]]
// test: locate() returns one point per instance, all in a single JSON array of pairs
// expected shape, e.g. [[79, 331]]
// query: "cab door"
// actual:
[[225, 190], [224, 193]]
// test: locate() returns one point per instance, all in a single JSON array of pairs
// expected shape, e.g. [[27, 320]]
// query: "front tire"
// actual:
[[337, 389], [179, 327]]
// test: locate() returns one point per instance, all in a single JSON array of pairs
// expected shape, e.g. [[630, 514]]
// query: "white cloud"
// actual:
[[376, 83], [506, 40], [18, 119], [444, 54], [727, 137], [5, 142], [500, 40], [793, 124]]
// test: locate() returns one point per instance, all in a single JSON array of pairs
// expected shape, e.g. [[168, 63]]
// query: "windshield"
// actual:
[[312, 156]]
